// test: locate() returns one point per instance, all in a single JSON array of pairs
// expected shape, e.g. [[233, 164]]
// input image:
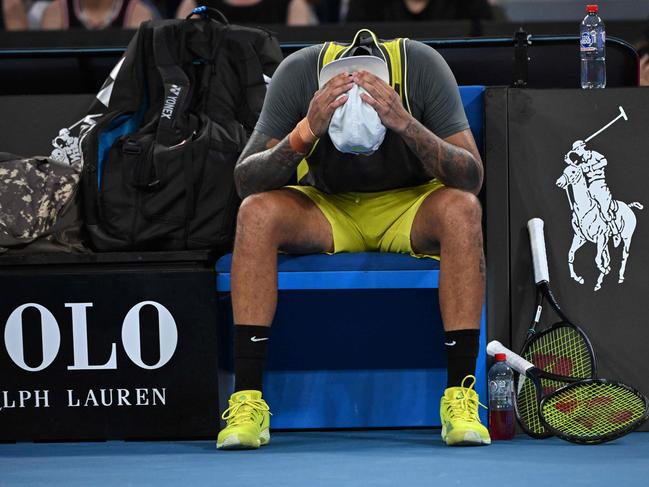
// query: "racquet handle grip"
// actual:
[[515, 361], [539, 257]]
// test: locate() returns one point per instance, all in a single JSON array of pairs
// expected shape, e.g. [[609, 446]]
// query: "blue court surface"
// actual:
[[338, 458]]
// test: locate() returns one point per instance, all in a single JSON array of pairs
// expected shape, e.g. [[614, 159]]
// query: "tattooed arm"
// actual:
[[265, 164], [455, 161]]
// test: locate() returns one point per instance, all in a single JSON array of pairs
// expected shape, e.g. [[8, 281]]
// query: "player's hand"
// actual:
[[384, 100], [326, 100]]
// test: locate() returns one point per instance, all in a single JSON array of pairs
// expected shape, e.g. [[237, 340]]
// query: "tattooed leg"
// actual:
[[450, 220], [267, 222]]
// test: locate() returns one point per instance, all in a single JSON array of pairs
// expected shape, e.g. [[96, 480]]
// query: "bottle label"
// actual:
[[588, 44], [591, 42], [501, 392]]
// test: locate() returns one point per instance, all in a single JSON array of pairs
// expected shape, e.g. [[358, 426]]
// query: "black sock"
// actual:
[[250, 345], [462, 352]]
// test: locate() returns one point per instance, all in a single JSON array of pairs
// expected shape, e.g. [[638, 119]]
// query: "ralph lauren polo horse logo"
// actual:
[[596, 216]]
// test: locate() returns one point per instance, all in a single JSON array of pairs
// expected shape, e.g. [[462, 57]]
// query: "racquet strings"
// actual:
[[527, 405], [594, 411], [561, 350]]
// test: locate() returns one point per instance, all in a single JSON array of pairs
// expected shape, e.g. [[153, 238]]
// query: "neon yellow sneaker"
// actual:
[[459, 413], [248, 422]]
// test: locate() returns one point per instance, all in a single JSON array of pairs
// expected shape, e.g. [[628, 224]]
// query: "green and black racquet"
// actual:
[[563, 349], [589, 411]]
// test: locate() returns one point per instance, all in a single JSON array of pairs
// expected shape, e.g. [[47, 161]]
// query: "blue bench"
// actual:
[[357, 339]]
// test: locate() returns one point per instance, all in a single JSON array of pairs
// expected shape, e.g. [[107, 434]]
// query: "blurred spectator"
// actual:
[[644, 69], [329, 11], [167, 8], [643, 54], [642, 47], [35, 13], [497, 10], [97, 14], [290, 12], [407, 10], [13, 15]]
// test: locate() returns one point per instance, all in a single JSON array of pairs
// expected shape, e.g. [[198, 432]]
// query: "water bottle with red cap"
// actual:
[[593, 50], [501, 400]]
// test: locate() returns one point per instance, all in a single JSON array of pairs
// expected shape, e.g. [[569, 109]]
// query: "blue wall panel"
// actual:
[[358, 358]]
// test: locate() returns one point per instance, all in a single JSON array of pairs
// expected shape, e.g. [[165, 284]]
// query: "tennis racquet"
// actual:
[[563, 349], [589, 411]]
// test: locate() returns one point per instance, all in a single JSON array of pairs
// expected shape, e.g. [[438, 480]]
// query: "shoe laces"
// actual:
[[244, 411], [466, 407]]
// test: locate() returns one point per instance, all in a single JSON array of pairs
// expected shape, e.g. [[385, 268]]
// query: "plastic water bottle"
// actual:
[[501, 400], [593, 50]]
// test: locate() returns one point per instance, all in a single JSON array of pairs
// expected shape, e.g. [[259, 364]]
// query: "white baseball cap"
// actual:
[[355, 127], [372, 64]]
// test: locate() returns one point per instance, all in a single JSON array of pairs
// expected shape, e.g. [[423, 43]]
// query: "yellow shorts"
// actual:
[[372, 222]]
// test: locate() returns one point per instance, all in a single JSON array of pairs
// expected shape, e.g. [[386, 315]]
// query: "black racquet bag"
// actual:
[[171, 121]]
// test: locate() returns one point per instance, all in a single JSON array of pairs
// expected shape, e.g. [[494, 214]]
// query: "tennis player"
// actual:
[[385, 161]]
